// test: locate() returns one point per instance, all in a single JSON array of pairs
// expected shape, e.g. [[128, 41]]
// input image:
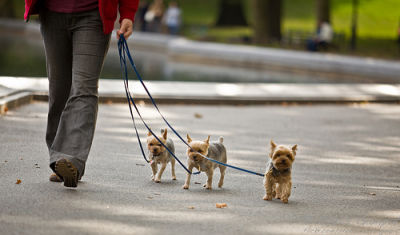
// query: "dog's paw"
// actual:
[[173, 177], [185, 186], [208, 187], [220, 185], [157, 180], [267, 198], [285, 200]]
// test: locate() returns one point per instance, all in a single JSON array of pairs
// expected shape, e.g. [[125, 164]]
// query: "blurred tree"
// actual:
[[323, 11], [230, 13], [7, 8], [353, 39], [267, 20]]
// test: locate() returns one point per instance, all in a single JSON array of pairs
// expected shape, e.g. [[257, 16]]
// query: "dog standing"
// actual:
[[215, 150], [278, 179], [159, 155]]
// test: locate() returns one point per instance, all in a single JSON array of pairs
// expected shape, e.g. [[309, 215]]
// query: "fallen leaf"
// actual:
[[198, 115], [158, 194], [109, 102], [18, 181], [191, 207], [221, 205], [141, 103], [197, 183], [150, 197], [373, 194], [139, 164], [5, 109]]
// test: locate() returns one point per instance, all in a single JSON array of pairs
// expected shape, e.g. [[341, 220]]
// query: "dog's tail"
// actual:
[[221, 139]]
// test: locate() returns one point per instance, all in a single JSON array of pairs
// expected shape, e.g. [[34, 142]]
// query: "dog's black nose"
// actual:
[[283, 161]]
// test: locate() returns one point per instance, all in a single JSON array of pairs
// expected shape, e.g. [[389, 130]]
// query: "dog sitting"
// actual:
[[277, 179], [159, 155], [215, 150]]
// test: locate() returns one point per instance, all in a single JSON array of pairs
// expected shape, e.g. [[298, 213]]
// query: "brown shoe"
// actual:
[[54, 178], [67, 172]]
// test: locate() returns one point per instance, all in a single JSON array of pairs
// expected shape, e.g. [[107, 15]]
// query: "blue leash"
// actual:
[[123, 53], [122, 48]]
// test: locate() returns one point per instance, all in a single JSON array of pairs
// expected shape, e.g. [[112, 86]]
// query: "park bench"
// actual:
[[298, 38]]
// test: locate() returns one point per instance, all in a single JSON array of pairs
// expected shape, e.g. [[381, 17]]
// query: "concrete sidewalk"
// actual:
[[345, 177], [216, 93]]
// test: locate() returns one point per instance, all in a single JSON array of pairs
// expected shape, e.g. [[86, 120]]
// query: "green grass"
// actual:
[[377, 22]]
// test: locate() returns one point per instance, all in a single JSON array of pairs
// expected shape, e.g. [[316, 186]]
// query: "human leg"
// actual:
[[77, 122]]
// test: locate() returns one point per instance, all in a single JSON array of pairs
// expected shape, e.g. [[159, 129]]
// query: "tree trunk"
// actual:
[[230, 13], [267, 20], [323, 11]]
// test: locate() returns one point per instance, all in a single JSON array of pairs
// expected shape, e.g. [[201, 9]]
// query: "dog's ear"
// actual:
[[188, 138], [273, 145], [149, 133], [294, 149], [207, 141], [165, 133]]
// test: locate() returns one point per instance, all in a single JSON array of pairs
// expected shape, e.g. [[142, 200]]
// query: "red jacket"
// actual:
[[108, 11]]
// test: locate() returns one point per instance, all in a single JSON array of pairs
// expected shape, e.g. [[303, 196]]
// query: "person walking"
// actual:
[[154, 16], [172, 18], [76, 35]]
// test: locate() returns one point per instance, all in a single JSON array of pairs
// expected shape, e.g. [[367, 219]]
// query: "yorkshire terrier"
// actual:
[[277, 179], [215, 150], [159, 155]]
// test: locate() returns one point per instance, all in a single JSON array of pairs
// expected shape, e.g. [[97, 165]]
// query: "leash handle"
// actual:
[[123, 47]]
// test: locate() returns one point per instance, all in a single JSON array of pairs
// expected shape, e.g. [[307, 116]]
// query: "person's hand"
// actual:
[[126, 28]]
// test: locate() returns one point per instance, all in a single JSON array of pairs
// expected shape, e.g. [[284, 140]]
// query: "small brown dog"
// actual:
[[159, 155], [278, 179], [215, 151]]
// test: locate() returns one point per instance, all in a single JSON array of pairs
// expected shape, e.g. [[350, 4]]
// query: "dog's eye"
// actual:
[[151, 144], [288, 155], [191, 150], [158, 144]]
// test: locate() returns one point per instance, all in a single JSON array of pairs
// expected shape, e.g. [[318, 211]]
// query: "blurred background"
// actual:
[[363, 28]]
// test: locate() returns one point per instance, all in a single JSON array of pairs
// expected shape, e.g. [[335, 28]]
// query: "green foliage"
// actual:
[[378, 21]]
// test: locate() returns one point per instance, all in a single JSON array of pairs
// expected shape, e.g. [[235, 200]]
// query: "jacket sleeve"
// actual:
[[127, 9]]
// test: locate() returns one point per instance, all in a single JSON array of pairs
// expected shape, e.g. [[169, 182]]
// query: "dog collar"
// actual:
[[156, 155], [276, 172]]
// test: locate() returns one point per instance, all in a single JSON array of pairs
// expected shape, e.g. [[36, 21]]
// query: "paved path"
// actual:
[[346, 175]]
